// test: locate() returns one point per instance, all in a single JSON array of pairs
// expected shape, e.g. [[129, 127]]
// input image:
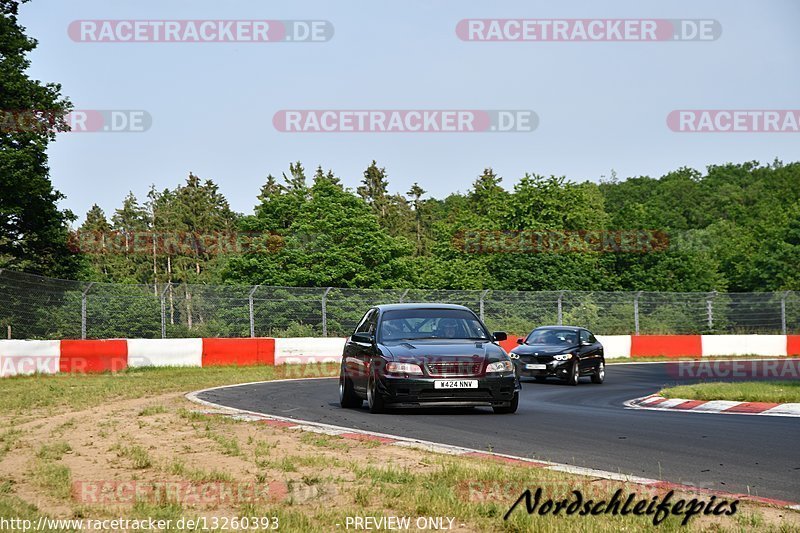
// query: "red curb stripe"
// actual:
[[279, 423], [365, 437], [648, 404], [751, 407], [507, 460], [691, 404]]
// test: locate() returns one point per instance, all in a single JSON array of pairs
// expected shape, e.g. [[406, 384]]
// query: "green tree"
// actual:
[[33, 230]]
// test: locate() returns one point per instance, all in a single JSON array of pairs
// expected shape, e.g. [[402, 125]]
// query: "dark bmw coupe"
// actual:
[[560, 351], [426, 354]]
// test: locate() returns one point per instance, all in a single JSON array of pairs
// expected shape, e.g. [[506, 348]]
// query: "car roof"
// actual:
[[421, 305], [568, 328]]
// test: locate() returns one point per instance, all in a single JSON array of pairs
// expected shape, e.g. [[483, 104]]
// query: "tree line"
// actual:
[[735, 227]]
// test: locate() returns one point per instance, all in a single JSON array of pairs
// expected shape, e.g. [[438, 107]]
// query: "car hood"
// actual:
[[423, 351], [542, 349]]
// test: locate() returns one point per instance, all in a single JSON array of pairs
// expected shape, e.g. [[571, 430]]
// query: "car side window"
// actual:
[[584, 336], [372, 322], [364, 325], [592, 338]]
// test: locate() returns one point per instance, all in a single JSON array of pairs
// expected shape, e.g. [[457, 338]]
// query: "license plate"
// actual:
[[455, 384], [535, 367]]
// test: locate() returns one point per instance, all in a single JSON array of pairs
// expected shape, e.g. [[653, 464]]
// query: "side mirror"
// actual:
[[366, 338], [520, 340], [499, 336], [586, 343]]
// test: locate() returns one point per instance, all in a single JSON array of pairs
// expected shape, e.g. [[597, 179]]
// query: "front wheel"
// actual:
[[510, 408], [572, 379], [599, 374], [347, 396], [374, 398]]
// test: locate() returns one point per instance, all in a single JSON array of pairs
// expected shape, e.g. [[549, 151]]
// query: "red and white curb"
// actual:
[[654, 402], [406, 442]]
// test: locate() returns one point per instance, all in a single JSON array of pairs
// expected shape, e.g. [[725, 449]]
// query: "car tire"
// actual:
[[599, 373], [348, 398], [574, 374], [374, 399], [509, 408]]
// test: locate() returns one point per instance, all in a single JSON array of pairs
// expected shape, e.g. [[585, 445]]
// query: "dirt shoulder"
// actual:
[[158, 457]]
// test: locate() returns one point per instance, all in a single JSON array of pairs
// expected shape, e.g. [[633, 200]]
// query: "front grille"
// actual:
[[454, 368], [455, 394]]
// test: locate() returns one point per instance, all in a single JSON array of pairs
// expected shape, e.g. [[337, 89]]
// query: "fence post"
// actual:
[[325, 312], [560, 314], [252, 316], [783, 312], [83, 309], [483, 297], [636, 312], [403, 296], [164, 311], [710, 309]]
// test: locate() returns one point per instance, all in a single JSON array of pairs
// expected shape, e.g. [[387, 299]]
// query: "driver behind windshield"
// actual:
[[447, 328]]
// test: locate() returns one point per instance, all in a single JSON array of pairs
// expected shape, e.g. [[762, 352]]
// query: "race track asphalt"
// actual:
[[584, 426]]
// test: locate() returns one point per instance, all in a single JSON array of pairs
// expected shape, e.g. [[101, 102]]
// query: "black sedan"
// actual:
[[560, 351], [426, 354]]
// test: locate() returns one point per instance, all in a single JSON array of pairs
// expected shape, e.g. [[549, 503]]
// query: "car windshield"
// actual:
[[413, 324], [553, 336]]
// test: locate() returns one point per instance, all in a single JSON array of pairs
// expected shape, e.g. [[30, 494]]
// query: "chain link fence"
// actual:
[[33, 307]]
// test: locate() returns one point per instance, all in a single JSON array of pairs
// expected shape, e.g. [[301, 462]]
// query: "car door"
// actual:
[[358, 354], [589, 351]]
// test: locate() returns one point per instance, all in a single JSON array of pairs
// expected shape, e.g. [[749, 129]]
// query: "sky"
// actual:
[[600, 105]]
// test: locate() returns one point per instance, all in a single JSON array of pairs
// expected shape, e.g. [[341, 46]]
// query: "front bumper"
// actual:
[[491, 390], [559, 369]]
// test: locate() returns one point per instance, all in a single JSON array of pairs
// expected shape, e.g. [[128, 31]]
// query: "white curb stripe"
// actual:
[[716, 406], [672, 402], [786, 409]]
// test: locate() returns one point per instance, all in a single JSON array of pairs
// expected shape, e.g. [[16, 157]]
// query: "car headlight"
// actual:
[[513, 355], [500, 366], [403, 368], [562, 357]]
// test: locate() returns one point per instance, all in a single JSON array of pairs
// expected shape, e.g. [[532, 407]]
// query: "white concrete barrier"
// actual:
[[165, 352], [303, 350], [21, 357], [615, 346], [767, 345]]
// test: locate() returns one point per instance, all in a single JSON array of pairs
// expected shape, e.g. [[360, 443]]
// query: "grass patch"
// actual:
[[8, 439], [322, 440], [137, 455], [746, 391], [385, 475], [64, 392], [54, 451], [228, 445], [55, 478], [196, 475], [153, 410]]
